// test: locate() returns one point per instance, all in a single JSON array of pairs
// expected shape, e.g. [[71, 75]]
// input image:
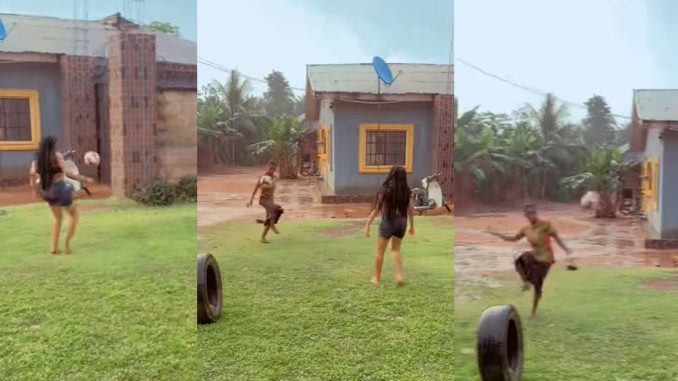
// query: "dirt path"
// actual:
[[479, 256], [223, 197], [22, 195]]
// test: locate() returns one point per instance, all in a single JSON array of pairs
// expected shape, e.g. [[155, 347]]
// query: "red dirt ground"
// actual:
[[222, 197], [595, 242]]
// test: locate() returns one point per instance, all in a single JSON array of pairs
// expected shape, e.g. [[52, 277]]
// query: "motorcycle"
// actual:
[[430, 196]]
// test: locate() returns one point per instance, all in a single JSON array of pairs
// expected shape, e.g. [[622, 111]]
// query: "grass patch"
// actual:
[[302, 308], [593, 325], [121, 307]]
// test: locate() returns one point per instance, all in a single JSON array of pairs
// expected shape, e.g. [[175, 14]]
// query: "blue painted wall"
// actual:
[[45, 78], [346, 134], [669, 185], [654, 149]]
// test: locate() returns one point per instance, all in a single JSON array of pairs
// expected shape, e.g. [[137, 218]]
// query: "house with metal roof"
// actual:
[[654, 139], [109, 86], [364, 127]]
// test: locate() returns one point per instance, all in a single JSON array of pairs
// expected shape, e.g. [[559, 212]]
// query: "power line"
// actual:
[[530, 89], [225, 69]]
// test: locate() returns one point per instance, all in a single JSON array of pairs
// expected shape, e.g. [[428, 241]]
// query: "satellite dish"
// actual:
[[3, 32], [383, 71]]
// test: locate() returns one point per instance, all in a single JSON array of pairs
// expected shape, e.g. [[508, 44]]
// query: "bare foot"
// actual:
[[532, 316], [67, 251], [265, 241], [275, 230], [55, 252], [375, 281], [399, 280]]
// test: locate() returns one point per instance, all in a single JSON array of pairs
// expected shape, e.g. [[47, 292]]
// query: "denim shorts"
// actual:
[[59, 194], [393, 228]]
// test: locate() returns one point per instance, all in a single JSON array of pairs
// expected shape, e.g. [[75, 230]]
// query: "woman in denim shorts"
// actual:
[[394, 202], [48, 167]]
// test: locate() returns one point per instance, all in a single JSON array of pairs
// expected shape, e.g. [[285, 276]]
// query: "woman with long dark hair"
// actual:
[[47, 177], [394, 202]]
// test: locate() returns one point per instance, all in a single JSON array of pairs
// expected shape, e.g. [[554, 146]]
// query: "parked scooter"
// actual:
[[430, 196]]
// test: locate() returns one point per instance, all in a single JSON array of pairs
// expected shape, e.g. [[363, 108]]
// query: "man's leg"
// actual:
[[521, 268], [263, 235], [538, 287]]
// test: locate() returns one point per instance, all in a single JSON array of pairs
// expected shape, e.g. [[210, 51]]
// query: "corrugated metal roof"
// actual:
[[656, 105], [361, 78], [38, 34]]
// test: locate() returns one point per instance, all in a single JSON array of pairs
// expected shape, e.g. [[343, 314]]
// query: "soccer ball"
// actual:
[[92, 158]]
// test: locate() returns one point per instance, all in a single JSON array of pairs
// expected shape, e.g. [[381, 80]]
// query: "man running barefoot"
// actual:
[[267, 184], [534, 265]]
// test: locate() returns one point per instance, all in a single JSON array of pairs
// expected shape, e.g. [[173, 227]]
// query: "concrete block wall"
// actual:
[[133, 103], [443, 142], [79, 107]]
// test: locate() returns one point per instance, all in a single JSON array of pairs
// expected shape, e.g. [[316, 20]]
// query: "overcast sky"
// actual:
[[258, 36], [178, 12], [573, 48]]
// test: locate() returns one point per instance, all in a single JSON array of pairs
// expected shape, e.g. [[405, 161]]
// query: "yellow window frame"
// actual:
[[322, 140], [650, 184], [33, 97], [362, 145]]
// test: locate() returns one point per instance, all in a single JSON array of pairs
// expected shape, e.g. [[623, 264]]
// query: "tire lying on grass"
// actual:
[[500, 344], [209, 289]]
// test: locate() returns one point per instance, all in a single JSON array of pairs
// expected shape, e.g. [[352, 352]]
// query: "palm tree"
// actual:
[[283, 136], [602, 174], [227, 115], [562, 144]]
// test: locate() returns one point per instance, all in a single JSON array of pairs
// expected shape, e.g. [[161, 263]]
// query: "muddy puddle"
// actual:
[[223, 198], [479, 256]]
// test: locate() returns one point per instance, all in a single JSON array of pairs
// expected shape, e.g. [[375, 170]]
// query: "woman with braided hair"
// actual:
[[394, 202], [47, 178]]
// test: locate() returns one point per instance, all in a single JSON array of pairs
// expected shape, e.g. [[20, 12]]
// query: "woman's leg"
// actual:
[[382, 243], [395, 253], [56, 229], [72, 224]]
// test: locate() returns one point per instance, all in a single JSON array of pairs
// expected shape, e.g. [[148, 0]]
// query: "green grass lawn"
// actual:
[[121, 307], [593, 325], [303, 308]]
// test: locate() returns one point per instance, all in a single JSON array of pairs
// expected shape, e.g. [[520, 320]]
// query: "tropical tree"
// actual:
[[165, 27], [227, 116], [282, 140], [599, 124], [562, 145], [602, 174], [279, 99]]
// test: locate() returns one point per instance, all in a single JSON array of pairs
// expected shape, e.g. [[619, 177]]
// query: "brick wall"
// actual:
[[442, 152], [132, 112], [176, 135], [79, 107]]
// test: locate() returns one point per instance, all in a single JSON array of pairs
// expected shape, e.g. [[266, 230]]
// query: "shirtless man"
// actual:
[[267, 184], [534, 265]]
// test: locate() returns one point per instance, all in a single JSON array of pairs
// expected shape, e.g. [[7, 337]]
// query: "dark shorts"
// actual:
[[532, 270], [59, 194], [393, 228], [273, 211]]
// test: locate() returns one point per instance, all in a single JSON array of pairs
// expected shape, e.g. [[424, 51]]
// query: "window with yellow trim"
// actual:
[[383, 146], [19, 120]]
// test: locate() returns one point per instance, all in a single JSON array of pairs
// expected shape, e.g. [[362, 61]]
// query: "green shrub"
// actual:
[[187, 189], [163, 193]]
